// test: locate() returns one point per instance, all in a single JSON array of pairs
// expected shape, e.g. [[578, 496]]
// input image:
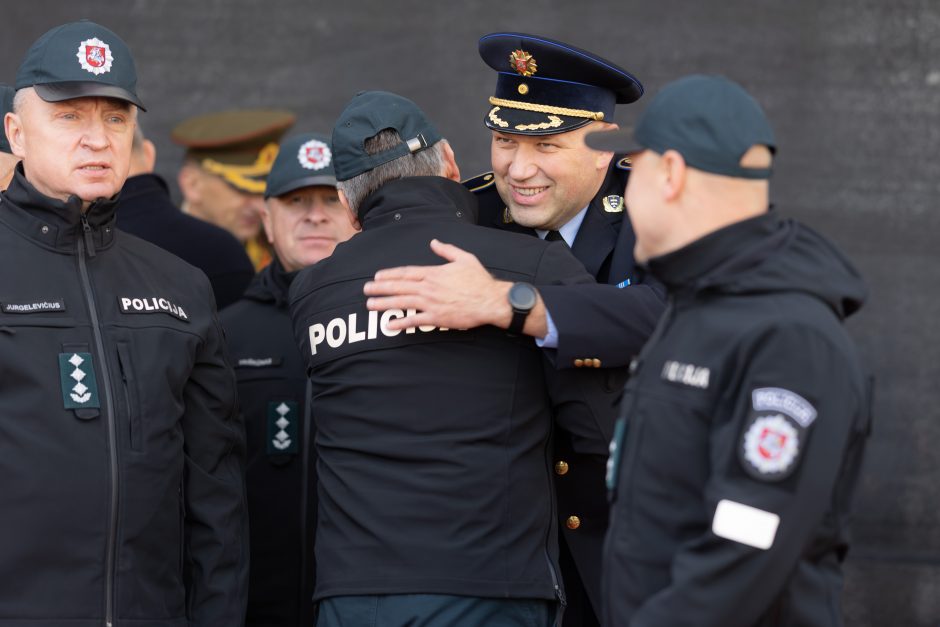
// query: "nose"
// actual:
[[317, 212], [95, 137], [523, 166]]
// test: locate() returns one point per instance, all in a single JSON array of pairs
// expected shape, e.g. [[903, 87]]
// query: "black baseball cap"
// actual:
[[80, 59], [546, 86], [710, 120], [6, 106], [366, 115], [303, 161]]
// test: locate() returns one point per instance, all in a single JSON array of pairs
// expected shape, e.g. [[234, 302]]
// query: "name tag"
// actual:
[[33, 306], [258, 362], [745, 524]]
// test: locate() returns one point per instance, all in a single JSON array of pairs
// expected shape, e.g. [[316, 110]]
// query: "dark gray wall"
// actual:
[[853, 88]]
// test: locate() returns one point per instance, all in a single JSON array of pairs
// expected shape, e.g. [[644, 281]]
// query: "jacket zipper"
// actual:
[[86, 243], [306, 444]]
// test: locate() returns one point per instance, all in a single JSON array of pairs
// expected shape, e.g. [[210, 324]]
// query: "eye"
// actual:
[[502, 140]]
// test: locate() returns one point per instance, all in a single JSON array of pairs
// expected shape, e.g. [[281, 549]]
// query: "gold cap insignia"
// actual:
[[613, 204], [523, 62]]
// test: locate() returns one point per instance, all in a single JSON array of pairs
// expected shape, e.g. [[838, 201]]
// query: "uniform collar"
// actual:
[[569, 231], [418, 198], [712, 254], [53, 223]]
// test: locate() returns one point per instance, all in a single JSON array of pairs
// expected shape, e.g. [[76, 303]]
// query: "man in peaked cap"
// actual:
[[546, 182], [122, 471], [228, 157], [435, 503], [8, 160], [304, 221], [734, 465]]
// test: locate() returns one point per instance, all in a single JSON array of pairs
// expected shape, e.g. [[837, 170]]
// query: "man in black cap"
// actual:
[[304, 221], [8, 160], [146, 210], [745, 419], [123, 497], [435, 504], [547, 182]]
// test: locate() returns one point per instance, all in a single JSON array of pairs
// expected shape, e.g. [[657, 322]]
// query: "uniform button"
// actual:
[[398, 216], [561, 467], [460, 214], [597, 363], [578, 363], [573, 522], [44, 229]]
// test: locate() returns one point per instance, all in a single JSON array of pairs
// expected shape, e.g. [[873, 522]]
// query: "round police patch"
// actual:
[[314, 155], [770, 447], [95, 56]]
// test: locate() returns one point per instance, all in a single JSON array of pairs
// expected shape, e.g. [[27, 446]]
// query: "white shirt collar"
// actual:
[[569, 230]]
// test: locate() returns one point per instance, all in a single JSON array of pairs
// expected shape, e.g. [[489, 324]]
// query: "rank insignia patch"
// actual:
[[613, 204], [95, 56], [79, 385], [314, 155], [770, 447], [523, 62], [282, 428]]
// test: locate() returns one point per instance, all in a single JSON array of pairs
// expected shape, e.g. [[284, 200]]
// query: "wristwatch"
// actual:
[[522, 298]]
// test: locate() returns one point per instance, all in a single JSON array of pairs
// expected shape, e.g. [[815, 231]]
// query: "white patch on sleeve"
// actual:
[[745, 524]]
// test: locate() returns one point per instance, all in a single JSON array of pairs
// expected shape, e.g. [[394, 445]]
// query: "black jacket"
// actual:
[[433, 461], [144, 209], [595, 322], [747, 409], [281, 476], [121, 453]]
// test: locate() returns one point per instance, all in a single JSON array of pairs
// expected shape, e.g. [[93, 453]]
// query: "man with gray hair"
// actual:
[[435, 494]]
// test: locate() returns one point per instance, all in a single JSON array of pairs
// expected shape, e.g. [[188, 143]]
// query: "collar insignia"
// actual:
[[507, 216], [613, 204]]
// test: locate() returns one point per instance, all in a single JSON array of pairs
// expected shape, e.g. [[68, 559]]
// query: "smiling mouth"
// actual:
[[529, 191]]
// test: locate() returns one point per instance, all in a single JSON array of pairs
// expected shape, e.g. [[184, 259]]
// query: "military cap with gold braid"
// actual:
[[238, 145], [547, 86]]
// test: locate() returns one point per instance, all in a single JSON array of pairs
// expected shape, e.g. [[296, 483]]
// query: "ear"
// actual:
[[674, 172], [13, 127], [451, 171], [352, 215], [190, 182], [266, 221], [148, 154], [601, 157]]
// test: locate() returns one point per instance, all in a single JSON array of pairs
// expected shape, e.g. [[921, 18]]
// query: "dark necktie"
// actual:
[[555, 236]]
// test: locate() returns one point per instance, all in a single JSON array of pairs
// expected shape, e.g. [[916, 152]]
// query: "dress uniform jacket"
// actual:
[[121, 451], [144, 209], [281, 472], [598, 327], [432, 444], [744, 424]]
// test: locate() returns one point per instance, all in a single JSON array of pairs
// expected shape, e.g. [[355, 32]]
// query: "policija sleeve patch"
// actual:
[[77, 377]]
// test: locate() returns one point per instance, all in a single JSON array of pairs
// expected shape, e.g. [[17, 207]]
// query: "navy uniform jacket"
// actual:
[[435, 475], [743, 430], [121, 450], [281, 473], [599, 326], [144, 209]]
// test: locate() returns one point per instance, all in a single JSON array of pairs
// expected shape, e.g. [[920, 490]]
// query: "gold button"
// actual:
[[597, 363], [578, 363], [573, 522], [561, 467], [523, 89]]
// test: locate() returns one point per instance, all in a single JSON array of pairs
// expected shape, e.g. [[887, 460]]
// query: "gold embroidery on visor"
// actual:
[[538, 108]]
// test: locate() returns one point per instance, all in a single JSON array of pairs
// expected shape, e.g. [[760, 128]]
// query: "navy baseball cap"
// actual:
[[710, 120], [6, 106], [77, 60], [546, 86], [366, 115], [303, 161]]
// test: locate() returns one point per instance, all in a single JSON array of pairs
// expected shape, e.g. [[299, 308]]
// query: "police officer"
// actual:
[[228, 156], [547, 182], [745, 420], [304, 221], [146, 210], [435, 500], [7, 159], [122, 451]]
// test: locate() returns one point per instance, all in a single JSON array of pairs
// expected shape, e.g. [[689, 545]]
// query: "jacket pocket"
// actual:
[[131, 398]]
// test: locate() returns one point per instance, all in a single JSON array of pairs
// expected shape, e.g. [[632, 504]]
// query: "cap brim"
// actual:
[[57, 92], [519, 122], [296, 184], [620, 141]]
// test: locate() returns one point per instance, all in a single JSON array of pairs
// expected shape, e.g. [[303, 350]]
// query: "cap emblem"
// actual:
[[523, 62], [95, 56], [314, 155]]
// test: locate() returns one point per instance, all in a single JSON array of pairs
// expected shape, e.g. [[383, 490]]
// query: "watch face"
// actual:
[[522, 297]]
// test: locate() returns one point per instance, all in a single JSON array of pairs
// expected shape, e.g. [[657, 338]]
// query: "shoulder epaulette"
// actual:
[[479, 182], [624, 163]]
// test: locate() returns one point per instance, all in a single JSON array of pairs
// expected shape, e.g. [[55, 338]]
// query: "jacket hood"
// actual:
[[765, 254], [270, 285]]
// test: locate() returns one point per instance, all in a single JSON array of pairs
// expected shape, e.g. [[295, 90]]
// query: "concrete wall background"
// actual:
[[853, 89]]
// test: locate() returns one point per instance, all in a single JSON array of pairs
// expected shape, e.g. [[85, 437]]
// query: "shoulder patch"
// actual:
[[786, 402], [624, 163], [770, 447], [479, 182]]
